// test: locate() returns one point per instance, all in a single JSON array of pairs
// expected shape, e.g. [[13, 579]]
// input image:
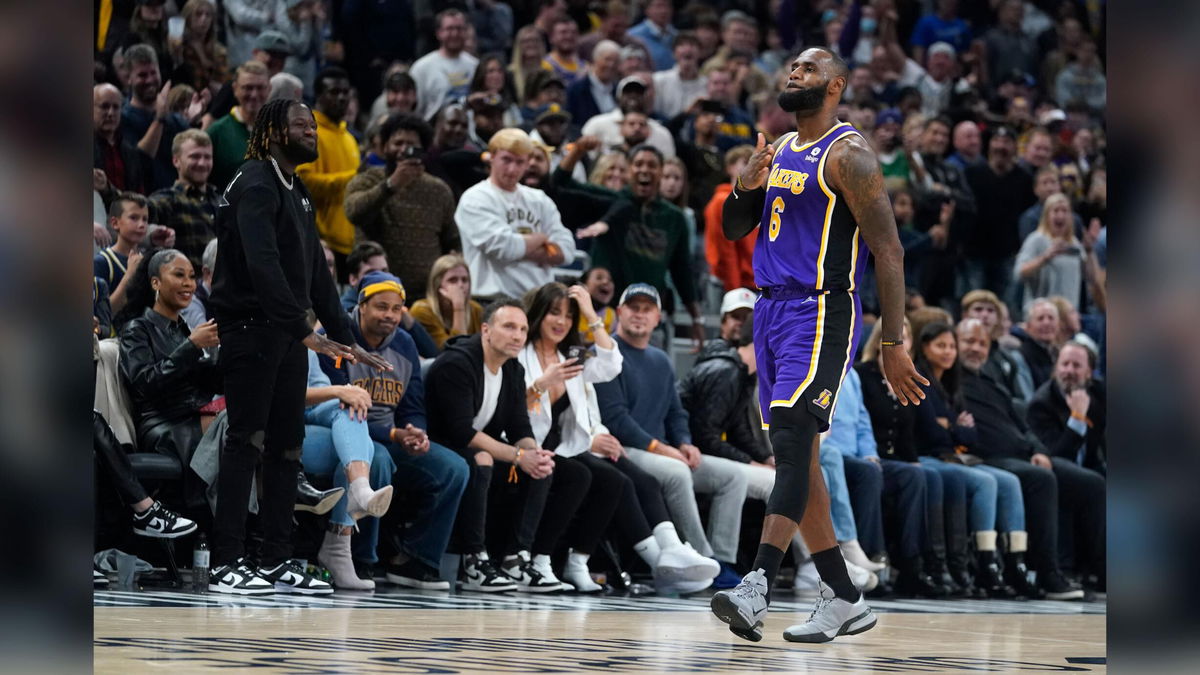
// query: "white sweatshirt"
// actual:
[[491, 223]]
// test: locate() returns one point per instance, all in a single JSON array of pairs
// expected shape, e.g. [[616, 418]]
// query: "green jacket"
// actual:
[[229, 139], [644, 242]]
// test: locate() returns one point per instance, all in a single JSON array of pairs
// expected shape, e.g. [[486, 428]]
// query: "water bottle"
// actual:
[[200, 566]]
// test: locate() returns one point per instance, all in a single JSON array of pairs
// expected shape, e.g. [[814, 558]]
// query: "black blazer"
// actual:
[[1048, 415], [454, 393]]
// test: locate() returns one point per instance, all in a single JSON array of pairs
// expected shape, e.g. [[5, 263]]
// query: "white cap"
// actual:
[[942, 48], [738, 298]]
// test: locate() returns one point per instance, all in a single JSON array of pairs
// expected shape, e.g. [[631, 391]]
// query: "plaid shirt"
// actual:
[[190, 212]]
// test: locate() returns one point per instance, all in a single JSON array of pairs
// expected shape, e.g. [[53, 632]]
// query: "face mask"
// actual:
[[867, 25]]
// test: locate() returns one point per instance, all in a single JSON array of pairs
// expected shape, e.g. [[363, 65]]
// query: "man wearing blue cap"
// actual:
[[396, 420]]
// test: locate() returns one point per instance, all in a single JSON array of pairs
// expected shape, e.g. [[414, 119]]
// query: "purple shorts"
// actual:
[[804, 347]]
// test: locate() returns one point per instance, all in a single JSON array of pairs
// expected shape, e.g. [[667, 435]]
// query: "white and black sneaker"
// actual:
[[239, 578], [532, 576], [831, 617], [161, 522], [744, 606], [289, 577], [99, 579], [480, 574]]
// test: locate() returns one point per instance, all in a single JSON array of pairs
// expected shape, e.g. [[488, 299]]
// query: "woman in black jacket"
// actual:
[[166, 367]]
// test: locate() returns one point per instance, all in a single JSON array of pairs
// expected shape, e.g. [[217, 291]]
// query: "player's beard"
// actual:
[[802, 100]]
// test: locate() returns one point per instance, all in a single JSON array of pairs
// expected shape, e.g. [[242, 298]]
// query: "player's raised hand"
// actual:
[[755, 173], [900, 372]]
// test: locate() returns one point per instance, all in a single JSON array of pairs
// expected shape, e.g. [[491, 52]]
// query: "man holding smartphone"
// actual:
[[401, 206]]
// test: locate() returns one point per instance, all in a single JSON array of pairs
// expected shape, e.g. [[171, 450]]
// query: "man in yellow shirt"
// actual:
[[337, 162]]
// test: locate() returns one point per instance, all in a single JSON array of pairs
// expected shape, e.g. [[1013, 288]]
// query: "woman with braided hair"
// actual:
[[270, 270]]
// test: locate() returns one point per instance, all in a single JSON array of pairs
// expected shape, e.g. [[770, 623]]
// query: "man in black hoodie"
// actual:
[[475, 396]]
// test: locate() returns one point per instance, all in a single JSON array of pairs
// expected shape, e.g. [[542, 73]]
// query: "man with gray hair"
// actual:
[[596, 92], [286, 85]]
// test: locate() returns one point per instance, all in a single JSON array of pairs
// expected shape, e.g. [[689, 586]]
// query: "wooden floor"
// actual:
[[395, 632]]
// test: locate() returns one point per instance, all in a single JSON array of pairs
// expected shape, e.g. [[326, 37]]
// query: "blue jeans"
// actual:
[[906, 492], [441, 475], [865, 482], [1010, 505], [980, 490], [331, 441], [840, 511]]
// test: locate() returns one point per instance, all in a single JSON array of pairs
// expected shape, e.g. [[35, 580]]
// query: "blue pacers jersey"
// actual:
[[808, 236]]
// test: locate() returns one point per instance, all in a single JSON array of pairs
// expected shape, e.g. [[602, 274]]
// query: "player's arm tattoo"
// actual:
[[857, 178]]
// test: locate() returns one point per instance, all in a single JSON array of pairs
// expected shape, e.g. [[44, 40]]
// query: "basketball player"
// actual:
[[819, 195]]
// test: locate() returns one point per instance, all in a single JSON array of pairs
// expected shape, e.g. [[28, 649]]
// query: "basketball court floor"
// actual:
[[394, 631]]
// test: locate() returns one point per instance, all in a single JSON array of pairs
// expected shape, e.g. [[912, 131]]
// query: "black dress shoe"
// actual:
[[309, 498]]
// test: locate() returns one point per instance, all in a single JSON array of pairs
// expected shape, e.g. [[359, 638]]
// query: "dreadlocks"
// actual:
[[270, 123]]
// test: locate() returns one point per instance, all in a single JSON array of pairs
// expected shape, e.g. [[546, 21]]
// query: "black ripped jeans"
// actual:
[[266, 374]]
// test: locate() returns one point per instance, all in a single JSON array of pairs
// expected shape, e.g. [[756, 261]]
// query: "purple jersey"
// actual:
[[808, 236]]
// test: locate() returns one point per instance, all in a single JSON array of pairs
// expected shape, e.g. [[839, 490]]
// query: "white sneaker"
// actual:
[[807, 583], [532, 576], [239, 578], [289, 577], [832, 617], [863, 580], [480, 574], [682, 563], [852, 551], [744, 606]]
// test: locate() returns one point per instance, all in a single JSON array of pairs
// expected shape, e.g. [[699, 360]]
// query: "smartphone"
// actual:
[[411, 152], [580, 353]]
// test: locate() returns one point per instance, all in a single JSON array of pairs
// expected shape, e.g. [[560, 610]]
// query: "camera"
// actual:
[[580, 353], [411, 152]]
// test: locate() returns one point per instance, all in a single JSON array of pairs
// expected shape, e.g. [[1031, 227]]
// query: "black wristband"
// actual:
[[891, 343]]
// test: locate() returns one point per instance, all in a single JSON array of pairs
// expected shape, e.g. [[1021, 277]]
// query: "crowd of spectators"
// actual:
[[473, 155]]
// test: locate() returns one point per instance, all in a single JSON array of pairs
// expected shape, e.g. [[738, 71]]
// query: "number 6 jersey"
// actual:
[[808, 236]]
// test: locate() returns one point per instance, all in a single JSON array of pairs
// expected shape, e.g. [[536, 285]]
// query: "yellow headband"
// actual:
[[379, 287]]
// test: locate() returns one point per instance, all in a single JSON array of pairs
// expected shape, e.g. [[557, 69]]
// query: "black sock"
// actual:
[[768, 559], [832, 568]]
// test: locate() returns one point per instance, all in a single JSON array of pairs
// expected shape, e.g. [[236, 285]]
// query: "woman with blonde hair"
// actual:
[[198, 50], [529, 49], [1052, 261], [610, 171], [448, 309]]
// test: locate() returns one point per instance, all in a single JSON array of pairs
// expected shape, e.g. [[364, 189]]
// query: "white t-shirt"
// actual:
[[492, 222], [673, 95], [441, 80], [491, 396], [607, 127]]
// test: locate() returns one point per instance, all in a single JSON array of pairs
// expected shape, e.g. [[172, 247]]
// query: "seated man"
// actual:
[[396, 420], [1053, 487], [477, 398], [642, 409], [1068, 413], [369, 256]]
